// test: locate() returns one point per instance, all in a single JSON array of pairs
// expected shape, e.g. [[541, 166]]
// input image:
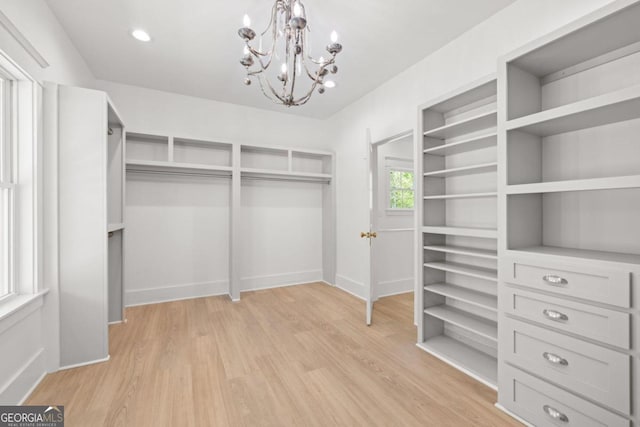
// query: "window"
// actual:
[[7, 188], [20, 184], [401, 192]]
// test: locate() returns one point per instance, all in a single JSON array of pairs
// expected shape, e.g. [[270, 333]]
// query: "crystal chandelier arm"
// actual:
[[271, 89], [274, 15], [304, 62], [304, 99]]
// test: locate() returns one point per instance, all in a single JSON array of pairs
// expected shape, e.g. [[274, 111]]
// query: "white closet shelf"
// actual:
[[150, 165], [609, 183], [458, 250], [574, 47], [466, 170], [486, 120], [475, 143], [477, 364], [479, 299], [479, 325], [465, 270], [487, 233], [580, 253], [114, 227], [461, 196], [285, 174], [601, 110]]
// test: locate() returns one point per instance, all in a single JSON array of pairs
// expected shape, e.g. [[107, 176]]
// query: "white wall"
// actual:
[[177, 238], [39, 26], [148, 110], [29, 338], [392, 108]]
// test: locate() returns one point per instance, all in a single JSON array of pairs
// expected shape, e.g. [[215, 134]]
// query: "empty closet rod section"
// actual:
[[199, 174], [228, 176], [286, 179]]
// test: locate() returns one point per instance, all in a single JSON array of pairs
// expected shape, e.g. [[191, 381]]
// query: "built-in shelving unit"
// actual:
[[464, 294], [464, 145], [570, 206], [465, 270], [468, 359], [487, 167], [166, 154], [262, 162], [486, 233], [458, 230], [237, 162], [481, 253], [91, 188], [461, 196]]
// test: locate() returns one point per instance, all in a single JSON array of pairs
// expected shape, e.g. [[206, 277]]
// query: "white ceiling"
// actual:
[[195, 48]]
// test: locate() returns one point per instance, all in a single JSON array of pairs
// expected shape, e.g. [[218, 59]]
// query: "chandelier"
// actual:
[[288, 36]]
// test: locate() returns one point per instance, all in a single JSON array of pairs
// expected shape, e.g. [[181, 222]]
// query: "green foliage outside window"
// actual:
[[401, 191]]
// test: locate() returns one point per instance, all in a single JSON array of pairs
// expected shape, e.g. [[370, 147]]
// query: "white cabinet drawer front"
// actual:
[[595, 372], [607, 286], [600, 324], [542, 404]]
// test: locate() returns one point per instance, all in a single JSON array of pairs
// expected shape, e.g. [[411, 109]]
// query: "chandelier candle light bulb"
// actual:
[[288, 44]]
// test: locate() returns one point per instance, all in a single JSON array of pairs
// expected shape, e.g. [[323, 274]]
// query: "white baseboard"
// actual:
[[512, 415], [80, 365], [350, 286], [18, 388], [33, 387], [279, 280], [139, 297], [175, 293], [394, 287]]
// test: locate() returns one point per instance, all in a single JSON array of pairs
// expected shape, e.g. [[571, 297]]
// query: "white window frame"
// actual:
[[7, 186], [24, 184], [388, 189]]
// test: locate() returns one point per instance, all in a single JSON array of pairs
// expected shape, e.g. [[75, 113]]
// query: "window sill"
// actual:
[[18, 307]]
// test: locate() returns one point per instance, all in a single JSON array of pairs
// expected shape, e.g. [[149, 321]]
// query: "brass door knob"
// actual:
[[368, 235]]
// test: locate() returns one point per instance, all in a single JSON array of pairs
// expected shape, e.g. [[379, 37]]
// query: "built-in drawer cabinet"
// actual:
[[543, 404], [595, 372], [602, 285], [596, 323]]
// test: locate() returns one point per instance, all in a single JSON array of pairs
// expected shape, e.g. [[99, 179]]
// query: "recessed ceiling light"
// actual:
[[329, 84], [141, 35]]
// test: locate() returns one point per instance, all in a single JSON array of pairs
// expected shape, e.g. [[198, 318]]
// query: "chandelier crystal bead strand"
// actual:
[[288, 33]]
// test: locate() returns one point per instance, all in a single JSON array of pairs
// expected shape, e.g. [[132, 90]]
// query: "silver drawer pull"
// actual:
[[556, 316], [555, 359], [554, 280], [555, 414]]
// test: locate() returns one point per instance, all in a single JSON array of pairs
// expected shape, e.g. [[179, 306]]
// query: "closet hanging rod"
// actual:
[[228, 176], [199, 174], [287, 179]]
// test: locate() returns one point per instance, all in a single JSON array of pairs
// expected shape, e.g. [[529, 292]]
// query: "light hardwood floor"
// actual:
[[291, 356]]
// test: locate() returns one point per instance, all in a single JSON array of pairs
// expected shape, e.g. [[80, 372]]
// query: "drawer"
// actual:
[[590, 370], [607, 286], [542, 404], [600, 324]]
